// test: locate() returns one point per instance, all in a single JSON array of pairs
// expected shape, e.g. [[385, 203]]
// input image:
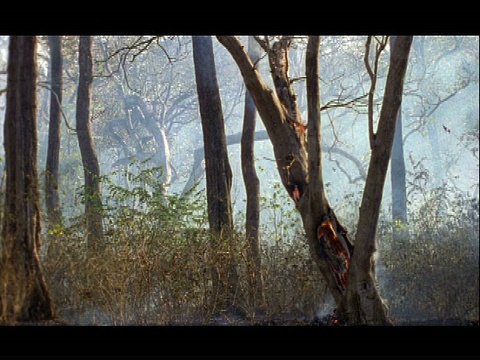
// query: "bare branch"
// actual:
[[339, 103], [45, 86], [371, 134], [373, 74], [263, 42]]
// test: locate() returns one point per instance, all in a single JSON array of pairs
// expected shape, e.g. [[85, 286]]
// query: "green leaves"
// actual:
[[140, 199]]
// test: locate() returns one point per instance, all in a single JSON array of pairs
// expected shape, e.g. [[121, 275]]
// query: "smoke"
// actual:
[[327, 308]]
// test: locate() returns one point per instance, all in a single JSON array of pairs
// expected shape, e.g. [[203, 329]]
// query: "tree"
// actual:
[[252, 189], [298, 165], [217, 166], [286, 129], [156, 98], [24, 295], [52, 199], [363, 302], [92, 193]]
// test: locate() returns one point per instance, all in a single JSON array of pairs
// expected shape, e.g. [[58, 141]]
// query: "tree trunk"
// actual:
[[398, 177], [398, 173], [93, 199], [23, 294], [286, 130], [329, 242], [52, 199], [217, 166], [252, 188], [363, 302]]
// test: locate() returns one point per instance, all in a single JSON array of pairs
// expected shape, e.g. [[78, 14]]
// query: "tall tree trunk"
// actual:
[[23, 293], [398, 173], [217, 166], [252, 188], [91, 168], [52, 199], [363, 302]]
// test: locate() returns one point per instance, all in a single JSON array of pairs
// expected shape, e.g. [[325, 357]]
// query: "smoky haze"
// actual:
[[440, 128]]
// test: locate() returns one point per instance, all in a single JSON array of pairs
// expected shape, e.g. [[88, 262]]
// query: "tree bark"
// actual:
[[217, 166], [52, 198], [363, 302], [279, 120], [23, 293], [252, 189], [93, 199]]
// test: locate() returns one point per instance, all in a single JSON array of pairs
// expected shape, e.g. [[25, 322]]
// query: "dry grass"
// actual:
[[432, 275], [165, 277], [159, 261]]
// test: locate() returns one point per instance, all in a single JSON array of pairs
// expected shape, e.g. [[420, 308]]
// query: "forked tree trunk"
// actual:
[[303, 180], [286, 129], [91, 168], [23, 291]]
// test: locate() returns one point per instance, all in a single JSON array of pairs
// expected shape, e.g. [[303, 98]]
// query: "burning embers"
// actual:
[[334, 251]]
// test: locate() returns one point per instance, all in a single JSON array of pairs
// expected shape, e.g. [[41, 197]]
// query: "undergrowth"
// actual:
[[158, 263]]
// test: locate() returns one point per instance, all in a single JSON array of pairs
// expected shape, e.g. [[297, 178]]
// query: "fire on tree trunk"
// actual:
[[300, 168]]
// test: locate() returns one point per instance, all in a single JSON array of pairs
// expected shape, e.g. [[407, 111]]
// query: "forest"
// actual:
[[239, 180]]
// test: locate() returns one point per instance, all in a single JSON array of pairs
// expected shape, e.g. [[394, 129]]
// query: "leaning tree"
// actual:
[[350, 275]]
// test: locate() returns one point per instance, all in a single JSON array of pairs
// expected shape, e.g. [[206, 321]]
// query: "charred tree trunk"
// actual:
[[286, 129], [91, 168], [301, 174], [23, 293], [252, 188], [217, 166], [329, 242], [52, 199]]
